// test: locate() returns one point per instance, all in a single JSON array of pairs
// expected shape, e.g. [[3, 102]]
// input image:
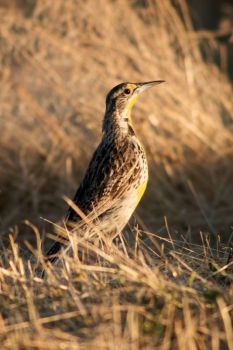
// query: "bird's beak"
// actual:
[[143, 86]]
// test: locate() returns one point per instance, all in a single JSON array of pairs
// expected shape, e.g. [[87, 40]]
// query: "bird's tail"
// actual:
[[52, 253]]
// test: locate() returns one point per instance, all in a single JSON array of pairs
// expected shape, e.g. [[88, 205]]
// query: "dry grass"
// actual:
[[56, 67]]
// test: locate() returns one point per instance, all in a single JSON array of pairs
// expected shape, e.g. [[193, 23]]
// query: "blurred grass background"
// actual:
[[58, 61]]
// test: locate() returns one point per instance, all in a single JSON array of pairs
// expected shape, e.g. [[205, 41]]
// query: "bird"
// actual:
[[117, 175]]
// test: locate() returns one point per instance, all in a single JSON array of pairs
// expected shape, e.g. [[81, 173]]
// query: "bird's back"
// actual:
[[117, 173], [112, 187]]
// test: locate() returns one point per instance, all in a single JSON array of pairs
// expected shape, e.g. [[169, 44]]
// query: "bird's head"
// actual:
[[123, 96]]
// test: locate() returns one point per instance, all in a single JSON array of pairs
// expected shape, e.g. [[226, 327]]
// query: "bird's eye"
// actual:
[[127, 91]]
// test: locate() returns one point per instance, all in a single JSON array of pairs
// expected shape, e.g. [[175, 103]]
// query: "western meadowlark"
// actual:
[[117, 175]]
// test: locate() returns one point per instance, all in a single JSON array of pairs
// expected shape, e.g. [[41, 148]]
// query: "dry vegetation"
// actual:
[[58, 61]]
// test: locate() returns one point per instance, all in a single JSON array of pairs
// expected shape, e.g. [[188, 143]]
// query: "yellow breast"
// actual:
[[140, 191]]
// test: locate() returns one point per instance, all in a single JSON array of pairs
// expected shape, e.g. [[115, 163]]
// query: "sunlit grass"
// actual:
[[170, 286]]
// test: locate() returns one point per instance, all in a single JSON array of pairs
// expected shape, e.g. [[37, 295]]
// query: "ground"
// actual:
[[168, 283]]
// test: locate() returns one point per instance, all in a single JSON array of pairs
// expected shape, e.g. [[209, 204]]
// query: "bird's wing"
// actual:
[[111, 171]]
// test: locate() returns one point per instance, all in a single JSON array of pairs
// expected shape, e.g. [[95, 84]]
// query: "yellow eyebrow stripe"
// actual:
[[131, 86]]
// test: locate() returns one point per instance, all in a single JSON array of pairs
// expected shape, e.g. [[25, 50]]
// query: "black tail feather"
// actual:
[[51, 255]]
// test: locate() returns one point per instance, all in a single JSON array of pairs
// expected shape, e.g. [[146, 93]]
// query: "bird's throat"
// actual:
[[130, 106], [131, 103]]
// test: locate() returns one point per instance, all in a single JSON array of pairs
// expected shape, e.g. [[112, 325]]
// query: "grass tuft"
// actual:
[[166, 284]]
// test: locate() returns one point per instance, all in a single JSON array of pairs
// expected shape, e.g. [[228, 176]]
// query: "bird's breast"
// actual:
[[143, 177], [140, 191]]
